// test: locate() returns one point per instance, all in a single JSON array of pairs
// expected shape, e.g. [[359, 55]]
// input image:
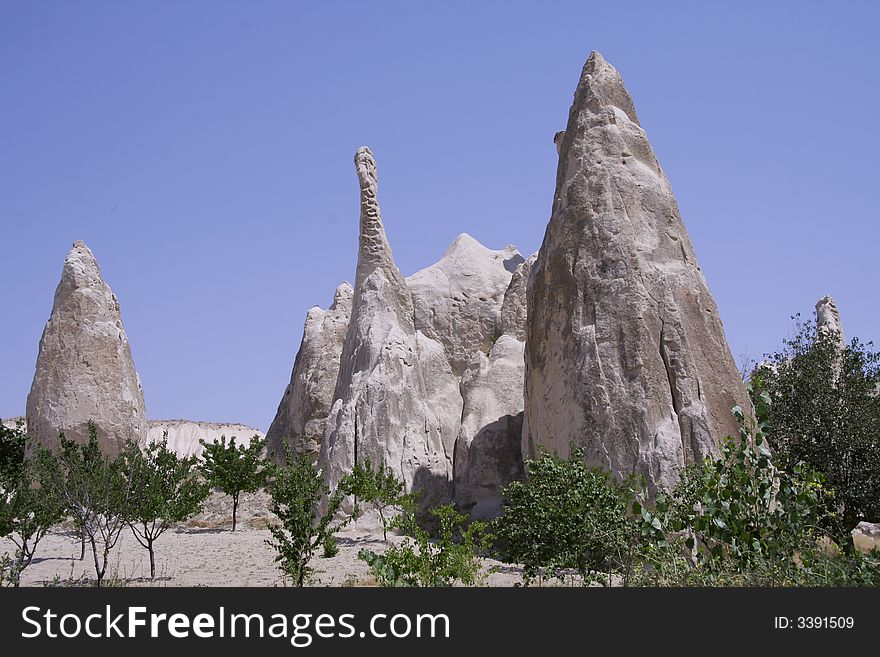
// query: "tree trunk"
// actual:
[[234, 510], [152, 559], [82, 545], [99, 571]]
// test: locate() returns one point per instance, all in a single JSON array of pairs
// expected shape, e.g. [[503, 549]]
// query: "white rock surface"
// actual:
[[396, 399], [487, 453], [866, 536], [828, 319], [84, 368], [625, 351], [457, 301], [184, 435], [302, 413]]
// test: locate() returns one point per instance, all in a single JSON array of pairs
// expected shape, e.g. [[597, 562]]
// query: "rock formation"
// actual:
[[184, 435], [302, 413], [396, 399], [84, 368], [457, 301], [828, 319], [625, 351], [488, 452], [866, 537]]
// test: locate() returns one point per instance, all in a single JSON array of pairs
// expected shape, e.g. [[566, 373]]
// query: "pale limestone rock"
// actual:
[[84, 368], [457, 301], [866, 537], [488, 454], [828, 319], [625, 352], [302, 413], [513, 310], [184, 435], [396, 398]]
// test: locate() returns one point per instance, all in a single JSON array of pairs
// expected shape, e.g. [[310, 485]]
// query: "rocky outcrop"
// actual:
[[513, 310], [396, 398], [625, 352], [457, 301], [84, 368], [184, 435], [828, 320], [302, 413]]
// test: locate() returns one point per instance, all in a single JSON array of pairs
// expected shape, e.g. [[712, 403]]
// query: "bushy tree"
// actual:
[[167, 490], [28, 507], [565, 517], [298, 494], [824, 411], [421, 561], [380, 489], [235, 469], [97, 491], [741, 508]]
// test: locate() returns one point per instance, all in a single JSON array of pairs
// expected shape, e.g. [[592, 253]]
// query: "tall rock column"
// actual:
[[84, 369], [625, 352], [396, 399]]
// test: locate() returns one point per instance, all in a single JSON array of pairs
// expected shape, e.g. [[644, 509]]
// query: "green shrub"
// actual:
[[235, 469], [28, 503], [419, 561], [298, 494], [380, 489], [564, 518]]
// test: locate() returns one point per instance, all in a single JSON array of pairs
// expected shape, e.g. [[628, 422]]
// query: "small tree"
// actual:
[[380, 489], [96, 491], [167, 490], [297, 492], [28, 509], [235, 469], [564, 517], [419, 561], [824, 411]]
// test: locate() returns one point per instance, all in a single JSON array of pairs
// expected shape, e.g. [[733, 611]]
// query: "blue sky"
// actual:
[[204, 152]]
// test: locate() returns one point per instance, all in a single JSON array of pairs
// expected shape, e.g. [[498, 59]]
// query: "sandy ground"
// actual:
[[204, 552]]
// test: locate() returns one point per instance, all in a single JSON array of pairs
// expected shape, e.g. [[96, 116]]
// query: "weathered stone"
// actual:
[[513, 310], [866, 537], [457, 301], [84, 368], [396, 398], [184, 435], [828, 319], [488, 454], [625, 351], [302, 413]]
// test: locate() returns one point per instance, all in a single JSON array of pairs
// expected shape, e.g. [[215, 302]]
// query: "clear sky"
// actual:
[[203, 150]]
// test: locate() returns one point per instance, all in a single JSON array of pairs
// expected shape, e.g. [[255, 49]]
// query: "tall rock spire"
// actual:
[[625, 352], [828, 319], [396, 399], [84, 368]]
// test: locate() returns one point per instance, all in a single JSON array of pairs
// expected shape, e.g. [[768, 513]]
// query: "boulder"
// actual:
[[625, 351], [85, 371], [866, 537], [302, 412]]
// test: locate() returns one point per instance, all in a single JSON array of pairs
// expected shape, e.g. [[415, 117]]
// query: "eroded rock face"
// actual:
[[396, 398], [184, 435], [302, 413], [84, 368], [514, 308], [488, 454], [828, 319], [625, 351], [457, 301], [866, 537]]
